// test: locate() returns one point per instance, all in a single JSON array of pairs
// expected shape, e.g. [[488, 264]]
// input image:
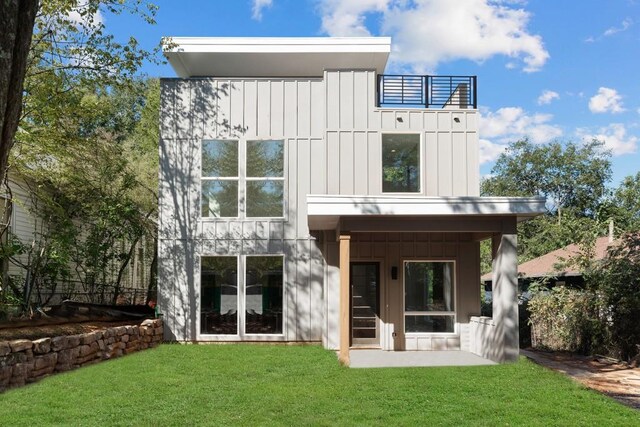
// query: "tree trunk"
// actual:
[[17, 18]]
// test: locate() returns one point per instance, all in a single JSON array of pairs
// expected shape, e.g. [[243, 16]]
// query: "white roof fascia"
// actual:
[[279, 44], [273, 56], [323, 209]]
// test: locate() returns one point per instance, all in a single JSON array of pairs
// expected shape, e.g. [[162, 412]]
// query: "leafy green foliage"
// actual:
[[623, 206], [563, 319], [573, 180], [86, 150], [91, 184], [601, 318], [618, 284], [566, 175]]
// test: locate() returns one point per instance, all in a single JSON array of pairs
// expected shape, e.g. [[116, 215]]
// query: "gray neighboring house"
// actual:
[[305, 196]]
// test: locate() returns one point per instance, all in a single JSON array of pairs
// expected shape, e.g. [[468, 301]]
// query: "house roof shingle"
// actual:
[[546, 265]]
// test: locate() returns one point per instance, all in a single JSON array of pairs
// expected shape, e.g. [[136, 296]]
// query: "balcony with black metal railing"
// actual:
[[427, 91]]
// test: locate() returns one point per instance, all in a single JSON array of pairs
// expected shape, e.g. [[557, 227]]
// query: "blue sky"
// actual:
[[563, 69]]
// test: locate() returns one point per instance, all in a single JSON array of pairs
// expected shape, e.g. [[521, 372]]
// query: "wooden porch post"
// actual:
[[345, 342]]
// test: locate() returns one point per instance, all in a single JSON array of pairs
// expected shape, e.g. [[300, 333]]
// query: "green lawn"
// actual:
[[278, 385]]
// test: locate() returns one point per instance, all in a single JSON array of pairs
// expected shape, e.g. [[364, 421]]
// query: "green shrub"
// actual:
[[563, 319], [618, 284]]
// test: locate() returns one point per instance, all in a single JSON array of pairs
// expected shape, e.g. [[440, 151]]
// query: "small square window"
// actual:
[[265, 198], [220, 158], [265, 159], [219, 198]]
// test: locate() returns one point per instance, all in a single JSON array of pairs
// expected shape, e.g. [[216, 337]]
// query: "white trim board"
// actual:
[[324, 212], [274, 56]]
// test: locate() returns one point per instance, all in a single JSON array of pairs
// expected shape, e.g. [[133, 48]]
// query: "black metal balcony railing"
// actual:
[[427, 91]]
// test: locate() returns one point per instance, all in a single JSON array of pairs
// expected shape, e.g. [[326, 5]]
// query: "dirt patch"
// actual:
[[73, 328], [615, 379]]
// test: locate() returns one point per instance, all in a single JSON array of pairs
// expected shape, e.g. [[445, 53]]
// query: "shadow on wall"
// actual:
[[188, 107], [497, 339], [190, 111]]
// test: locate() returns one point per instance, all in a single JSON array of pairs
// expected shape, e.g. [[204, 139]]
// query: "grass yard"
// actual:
[[277, 385]]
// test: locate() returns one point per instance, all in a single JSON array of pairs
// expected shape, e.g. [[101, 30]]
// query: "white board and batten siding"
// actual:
[[197, 109], [354, 128], [332, 131]]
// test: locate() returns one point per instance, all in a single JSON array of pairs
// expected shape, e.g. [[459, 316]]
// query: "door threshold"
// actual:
[[365, 347]]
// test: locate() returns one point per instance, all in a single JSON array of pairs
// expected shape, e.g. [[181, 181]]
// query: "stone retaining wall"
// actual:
[[26, 361]]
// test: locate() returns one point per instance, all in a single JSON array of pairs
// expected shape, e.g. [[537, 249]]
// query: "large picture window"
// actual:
[[401, 163], [245, 303], [429, 296], [263, 295], [255, 190]]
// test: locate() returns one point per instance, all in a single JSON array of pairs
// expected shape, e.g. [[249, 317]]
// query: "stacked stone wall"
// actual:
[[25, 361]]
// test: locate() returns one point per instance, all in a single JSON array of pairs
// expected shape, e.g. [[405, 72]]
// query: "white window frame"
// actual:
[[241, 335], [242, 180], [218, 337], [420, 162], [453, 313]]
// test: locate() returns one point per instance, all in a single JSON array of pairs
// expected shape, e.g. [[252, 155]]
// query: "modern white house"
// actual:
[[306, 196]]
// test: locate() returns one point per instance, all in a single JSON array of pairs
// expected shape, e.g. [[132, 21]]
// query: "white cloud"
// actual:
[[606, 100], [547, 96], [624, 26], [615, 138], [490, 151], [510, 124], [258, 7], [428, 32], [343, 18], [80, 16]]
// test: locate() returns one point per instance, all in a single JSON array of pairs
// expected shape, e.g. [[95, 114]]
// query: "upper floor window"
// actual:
[[242, 178], [401, 163], [265, 178], [220, 179]]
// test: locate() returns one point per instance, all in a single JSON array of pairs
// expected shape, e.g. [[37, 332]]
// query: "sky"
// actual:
[[547, 70]]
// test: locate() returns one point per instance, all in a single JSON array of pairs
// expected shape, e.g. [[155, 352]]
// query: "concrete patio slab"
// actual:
[[395, 359]]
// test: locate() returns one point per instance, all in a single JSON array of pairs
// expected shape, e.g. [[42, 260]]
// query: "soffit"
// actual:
[[326, 212], [274, 56]]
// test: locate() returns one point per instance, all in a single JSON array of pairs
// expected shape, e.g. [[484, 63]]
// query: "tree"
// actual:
[[572, 178], [623, 207], [81, 103], [90, 183], [618, 282], [17, 18], [566, 175]]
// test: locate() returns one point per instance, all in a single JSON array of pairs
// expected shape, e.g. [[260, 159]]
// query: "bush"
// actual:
[[564, 319], [618, 284]]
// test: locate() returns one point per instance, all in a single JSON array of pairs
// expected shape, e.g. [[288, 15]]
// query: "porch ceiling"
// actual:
[[416, 213]]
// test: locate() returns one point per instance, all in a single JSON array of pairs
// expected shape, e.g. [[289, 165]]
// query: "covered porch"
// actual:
[[376, 245]]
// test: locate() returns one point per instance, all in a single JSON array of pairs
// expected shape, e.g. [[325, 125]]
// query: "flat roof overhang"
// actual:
[[408, 213], [274, 56]]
